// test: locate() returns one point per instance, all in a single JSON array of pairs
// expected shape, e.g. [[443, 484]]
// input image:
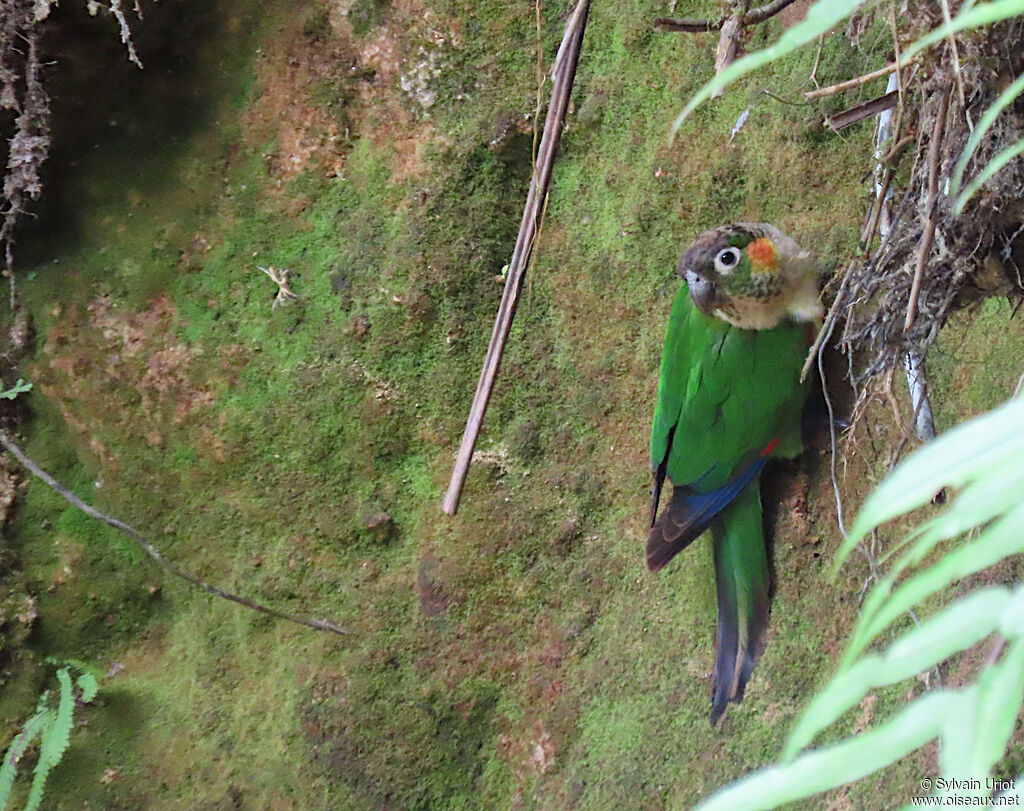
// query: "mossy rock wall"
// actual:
[[518, 655]]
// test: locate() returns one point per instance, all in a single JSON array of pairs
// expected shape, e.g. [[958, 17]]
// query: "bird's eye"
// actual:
[[727, 260]]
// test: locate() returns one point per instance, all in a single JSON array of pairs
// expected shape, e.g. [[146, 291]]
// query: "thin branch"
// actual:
[[849, 84], [856, 114], [879, 211], [828, 324], [154, 553], [896, 149], [687, 25], [832, 433], [759, 15], [693, 25], [885, 131], [947, 19], [541, 78], [934, 148], [817, 61]]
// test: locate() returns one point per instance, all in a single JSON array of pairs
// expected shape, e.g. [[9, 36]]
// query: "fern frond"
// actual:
[[33, 726], [89, 686], [55, 740]]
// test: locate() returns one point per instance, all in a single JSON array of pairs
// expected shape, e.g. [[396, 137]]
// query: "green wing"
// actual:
[[724, 395]]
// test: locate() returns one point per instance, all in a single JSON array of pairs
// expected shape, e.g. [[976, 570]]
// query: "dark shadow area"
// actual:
[[111, 119]]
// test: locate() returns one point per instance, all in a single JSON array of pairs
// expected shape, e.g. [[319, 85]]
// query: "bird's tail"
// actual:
[[689, 514], [742, 579]]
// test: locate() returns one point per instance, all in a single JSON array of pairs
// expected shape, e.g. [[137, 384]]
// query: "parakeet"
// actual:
[[729, 398]]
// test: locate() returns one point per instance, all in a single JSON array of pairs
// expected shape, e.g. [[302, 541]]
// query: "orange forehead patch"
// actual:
[[761, 253]]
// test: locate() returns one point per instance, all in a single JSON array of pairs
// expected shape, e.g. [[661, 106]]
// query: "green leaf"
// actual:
[[18, 388], [54, 742], [33, 727], [1005, 537], [89, 686], [973, 17], [953, 629], [960, 735], [993, 166], [823, 769], [1000, 699], [979, 726], [982, 127], [961, 455], [820, 18], [978, 504]]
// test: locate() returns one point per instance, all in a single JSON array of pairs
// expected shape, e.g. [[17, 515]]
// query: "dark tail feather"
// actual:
[[689, 514], [727, 637], [741, 575]]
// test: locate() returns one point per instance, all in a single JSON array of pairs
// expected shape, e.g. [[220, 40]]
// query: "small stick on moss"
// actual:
[[563, 75], [154, 553], [687, 25], [934, 149], [280, 277], [849, 84]]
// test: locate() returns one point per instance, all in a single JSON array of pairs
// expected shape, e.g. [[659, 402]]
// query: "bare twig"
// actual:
[[687, 25], [765, 12], [884, 132], [848, 118], [947, 19], [832, 433], [879, 210], [827, 325], [817, 61], [563, 75], [894, 404], [934, 149], [849, 84], [694, 25], [154, 553], [540, 85], [896, 149]]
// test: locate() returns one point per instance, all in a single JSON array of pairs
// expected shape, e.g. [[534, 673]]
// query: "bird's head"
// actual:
[[750, 275]]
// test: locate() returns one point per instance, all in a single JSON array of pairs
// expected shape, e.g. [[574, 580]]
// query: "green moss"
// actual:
[[298, 454]]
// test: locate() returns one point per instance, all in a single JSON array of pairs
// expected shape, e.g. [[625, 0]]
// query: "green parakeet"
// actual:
[[729, 398]]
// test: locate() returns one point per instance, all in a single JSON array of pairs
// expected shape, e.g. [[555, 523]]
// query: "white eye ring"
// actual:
[[726, 260]]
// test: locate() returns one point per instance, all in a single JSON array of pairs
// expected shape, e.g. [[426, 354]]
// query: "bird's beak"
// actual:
[[703, 292]]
